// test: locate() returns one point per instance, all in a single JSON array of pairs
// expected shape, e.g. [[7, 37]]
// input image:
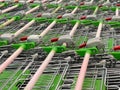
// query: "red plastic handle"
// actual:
[[32, 1], [54, 39], [82, 45], [60, 16], [23, 38], [83, 17], [16, 1], [39, 15], [116, 48], [100, 5], [82, 3], [117, 4], [109, 18]]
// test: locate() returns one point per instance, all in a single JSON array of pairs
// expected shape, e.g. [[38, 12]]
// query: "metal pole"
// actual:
[[60, 1], [117, 11], [32, 10], [83, 69], [96, 9], [56, 9], [2, 5], [99, 30], [40, 70], [9, 9], [10, 59], [82, 73], [74, 29], [48, 28], [7, 22], [74, 10], [24, 28]]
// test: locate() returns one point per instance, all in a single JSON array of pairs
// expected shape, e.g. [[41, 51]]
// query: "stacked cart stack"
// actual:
[[59, 45]]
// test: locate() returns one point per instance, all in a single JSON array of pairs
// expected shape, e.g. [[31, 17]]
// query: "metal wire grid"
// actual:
[[112, 75], [19, 66], [110, 62], [11, 71], [100, 74], [12, 4], [56, 69], [11, 51], [80, 32], [20, 22], [106, 35], [10, 15], [94, 73], [13, 27], [116, 35], [9, 5], [95, 76], [113, 78], [66, 31]]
